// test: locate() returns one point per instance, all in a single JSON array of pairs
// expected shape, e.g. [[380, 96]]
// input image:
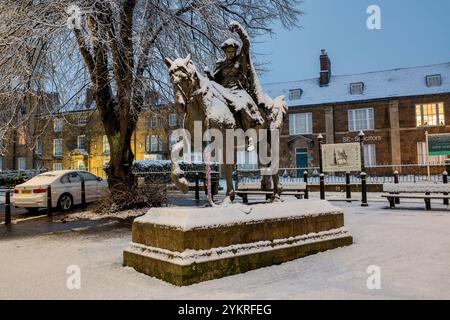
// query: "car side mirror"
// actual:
[[99, 179]]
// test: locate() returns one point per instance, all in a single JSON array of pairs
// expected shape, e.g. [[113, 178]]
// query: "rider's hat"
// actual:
[[229, 43]]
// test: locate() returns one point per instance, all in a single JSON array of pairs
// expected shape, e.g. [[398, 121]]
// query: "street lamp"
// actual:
[[361, 143], [320, 139]]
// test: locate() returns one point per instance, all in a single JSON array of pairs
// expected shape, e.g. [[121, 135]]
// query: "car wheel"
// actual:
[[65, 202], [32, 210]]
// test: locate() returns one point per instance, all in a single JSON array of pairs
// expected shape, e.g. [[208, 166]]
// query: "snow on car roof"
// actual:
[[377, 85]]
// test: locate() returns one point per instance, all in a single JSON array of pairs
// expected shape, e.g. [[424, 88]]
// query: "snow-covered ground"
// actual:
[[411, 248]]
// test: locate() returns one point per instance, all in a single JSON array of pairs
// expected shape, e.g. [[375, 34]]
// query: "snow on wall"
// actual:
[[188, 257], [379, 84], [185, 218]]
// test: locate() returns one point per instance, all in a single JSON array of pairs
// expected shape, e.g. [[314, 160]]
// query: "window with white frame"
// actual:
[[434, 80], [360, 119], [58, 124], [57, 147], [370, 156], [172, 141], [295, 94], [154, 121], [22, 164], [154, 143], [430, 114], [106, 149], [81, 142], [357, 88], [57, 166], [82, 120], [423, 157], [300, 123], [39, 148], [173, 120]]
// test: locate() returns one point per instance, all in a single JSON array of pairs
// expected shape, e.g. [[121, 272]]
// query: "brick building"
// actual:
[[393, 108]]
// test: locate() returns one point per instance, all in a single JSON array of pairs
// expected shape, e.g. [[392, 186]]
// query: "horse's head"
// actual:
[[183, 75]]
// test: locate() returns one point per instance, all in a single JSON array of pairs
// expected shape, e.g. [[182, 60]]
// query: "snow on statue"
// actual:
[[230, 98]]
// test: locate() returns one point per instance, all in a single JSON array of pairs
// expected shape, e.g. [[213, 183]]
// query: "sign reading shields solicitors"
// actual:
[[439, 144], [341, 157]]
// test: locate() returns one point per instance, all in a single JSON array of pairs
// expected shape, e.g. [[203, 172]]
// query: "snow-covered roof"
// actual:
[[377, 85]]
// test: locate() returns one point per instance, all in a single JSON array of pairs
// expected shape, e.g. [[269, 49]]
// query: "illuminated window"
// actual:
[[431, 114], [106, 149], [57, 166], [22, 136]]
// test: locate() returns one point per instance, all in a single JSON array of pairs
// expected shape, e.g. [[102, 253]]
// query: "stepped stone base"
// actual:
[[184, 246]]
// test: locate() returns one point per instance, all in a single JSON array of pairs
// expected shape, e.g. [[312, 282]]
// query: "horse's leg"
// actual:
[[276, 187], [176, 173], [228, 170]]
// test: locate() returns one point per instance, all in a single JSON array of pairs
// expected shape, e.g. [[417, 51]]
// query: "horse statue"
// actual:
[[197, 98]]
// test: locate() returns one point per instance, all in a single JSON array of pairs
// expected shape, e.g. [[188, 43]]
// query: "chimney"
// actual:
[[325, 68]]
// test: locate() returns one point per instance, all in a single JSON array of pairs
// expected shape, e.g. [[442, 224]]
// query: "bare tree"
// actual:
[[118, 48]]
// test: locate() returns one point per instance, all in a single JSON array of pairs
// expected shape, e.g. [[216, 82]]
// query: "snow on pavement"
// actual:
[[412, 248]]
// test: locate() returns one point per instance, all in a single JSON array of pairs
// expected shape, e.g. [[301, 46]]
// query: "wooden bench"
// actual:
[[425, 191], [254, 188]]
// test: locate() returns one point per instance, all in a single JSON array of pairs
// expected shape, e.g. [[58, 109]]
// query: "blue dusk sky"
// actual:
[[413, 33]]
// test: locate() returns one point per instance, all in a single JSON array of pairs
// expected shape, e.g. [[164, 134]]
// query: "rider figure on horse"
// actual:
[[236, 73]]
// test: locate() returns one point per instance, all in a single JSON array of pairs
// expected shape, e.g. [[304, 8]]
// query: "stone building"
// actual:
[[393, 108]]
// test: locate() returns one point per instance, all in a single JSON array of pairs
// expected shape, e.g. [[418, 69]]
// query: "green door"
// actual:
[[301, 157]]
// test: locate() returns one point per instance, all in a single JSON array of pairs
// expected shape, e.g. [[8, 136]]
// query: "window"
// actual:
[[434, 80], [172, 141], [154, 143], [247, 160], [360, 119], [370, 158], [173, 120], [431, 114], [154, 123], [82, 120], [81, 165], [300, 123], [57, 148], [57, 166], [295, 94], [357, 88], [1, 163], [22, 136], [74, 177], [81, 142], [423, 157], [106, 149], [39, 148], [58, 125], [22, 164], [88, 176]]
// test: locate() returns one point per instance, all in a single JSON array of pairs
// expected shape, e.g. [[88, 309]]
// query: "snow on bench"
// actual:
[[416, 187]]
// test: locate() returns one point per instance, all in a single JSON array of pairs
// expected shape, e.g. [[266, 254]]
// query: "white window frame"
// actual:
[[78, 142], [356, 88], [105, 145], [154, 122], [433, 80], [295, 94], [58, 125], [22, 163], [57, 166], [39, 148], [437, 106], [369, 121], [83, 120], [370, 155], [58, 142], [173, 120], [293, 130]]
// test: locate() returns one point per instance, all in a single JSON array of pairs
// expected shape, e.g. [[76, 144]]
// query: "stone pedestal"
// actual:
[[188, 245]]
